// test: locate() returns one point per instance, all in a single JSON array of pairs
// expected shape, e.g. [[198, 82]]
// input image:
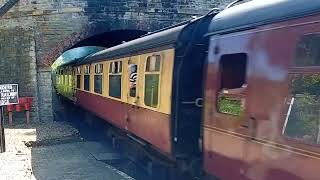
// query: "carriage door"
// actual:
[[132, 90], [226, 97]]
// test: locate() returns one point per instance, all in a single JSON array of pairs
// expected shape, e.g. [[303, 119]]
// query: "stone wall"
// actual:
[[34, 33], [18, 63]]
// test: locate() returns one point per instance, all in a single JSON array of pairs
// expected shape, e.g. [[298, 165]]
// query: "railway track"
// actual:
[[124, 155]]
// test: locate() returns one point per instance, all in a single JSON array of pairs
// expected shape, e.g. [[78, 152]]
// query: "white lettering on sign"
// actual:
[[9, 94]]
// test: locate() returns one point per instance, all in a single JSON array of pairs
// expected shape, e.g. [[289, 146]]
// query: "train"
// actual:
[[236, 90]]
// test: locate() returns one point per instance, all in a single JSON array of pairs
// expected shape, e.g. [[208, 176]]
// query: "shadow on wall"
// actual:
[[110, 38]]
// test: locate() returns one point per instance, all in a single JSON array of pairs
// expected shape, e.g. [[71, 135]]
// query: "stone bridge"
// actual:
[[34, 33]]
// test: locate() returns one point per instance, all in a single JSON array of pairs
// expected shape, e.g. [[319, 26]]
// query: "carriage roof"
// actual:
[[261, 12], [159, 39]]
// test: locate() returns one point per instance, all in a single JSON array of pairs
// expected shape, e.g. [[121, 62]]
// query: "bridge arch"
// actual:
[[33, 34]]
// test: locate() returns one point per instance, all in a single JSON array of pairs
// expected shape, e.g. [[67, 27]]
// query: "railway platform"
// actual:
[[55, 150]]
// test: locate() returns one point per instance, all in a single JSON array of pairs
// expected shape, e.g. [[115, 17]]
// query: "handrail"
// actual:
[[166, 28], [7, 6], [233, 3]]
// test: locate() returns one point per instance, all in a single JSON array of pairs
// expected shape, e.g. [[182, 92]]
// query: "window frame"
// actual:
[[145, 72], [237, 95], [87, 69], [298, 42], [136, 64], [296, 71], [66, 77], [78, 86], [98, 71], [70, 77], [111, 68], [118, 73], [78, 72], [86, 73], [98, 68]]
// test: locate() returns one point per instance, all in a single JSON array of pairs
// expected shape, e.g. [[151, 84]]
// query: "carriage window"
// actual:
[[87, 78], [152, 79], [69, 77], [62, 79], [303, 117], [115, 74], [78, 77], [231, 97], [70, 80], [308, 51], [66, 79], [78, 70], [78, 81], [98, 78]]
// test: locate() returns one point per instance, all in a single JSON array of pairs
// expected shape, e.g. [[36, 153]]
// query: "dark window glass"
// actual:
[[98, 84], [87, 82], [115, 70], [115, 86], [303, 117], [231, 97], [111, 68], [78, 81], [308, 51], [151, 92]]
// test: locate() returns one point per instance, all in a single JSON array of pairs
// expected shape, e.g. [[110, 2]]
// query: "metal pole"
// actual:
[[2, 138]]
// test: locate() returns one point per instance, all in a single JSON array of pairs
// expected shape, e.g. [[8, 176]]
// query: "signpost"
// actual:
[[8, 95]]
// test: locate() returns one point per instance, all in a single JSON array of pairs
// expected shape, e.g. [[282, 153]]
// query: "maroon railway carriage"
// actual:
[[262, 104], [162, 110], [261, 88]]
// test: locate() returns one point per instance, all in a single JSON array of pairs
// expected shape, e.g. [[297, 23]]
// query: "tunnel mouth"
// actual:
[[111, 38], [96, 43]]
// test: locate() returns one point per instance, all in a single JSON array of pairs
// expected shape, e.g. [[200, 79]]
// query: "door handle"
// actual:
[[198, 102]]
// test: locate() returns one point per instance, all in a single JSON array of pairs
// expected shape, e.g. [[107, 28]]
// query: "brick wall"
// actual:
[[34, 33]]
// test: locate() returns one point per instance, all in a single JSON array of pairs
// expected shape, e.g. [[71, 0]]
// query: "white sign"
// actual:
[[9, 94]]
